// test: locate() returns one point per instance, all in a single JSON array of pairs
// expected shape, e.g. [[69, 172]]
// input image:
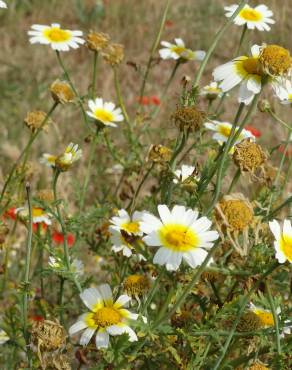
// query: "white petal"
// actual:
[[162, 256], [102, 339], [276, 229], [152, 239], [174, 261], [90, 297], [86, 336], [164, 213], [105, 292], [196, 257], [149, 223], [122, 300], [75, 328]]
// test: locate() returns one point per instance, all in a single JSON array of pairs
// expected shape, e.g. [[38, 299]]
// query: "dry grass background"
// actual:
[[27, 70]]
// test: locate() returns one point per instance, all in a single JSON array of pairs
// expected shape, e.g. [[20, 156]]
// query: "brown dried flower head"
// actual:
[[114, 54], [275, 60], [258, 366], [45, 195], [249, 322], [188, 118], [35, 119], [159, 154], [97, 41], [248, 155], [136, 285], [62, 92], [180, 320], [48, 335]]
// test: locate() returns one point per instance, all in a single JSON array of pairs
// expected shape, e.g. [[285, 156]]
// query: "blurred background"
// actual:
[[26, 71]]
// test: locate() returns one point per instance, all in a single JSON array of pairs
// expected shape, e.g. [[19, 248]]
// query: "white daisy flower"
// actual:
[[124, 222], [258, 17], [55, 263], [180, 234], [283, 240], [59, 39], [248, 72], [48, 159], [265, 316], [185, 173], [107, 113], [179, 50], [222, 132], [286, 97], [212, 91], [106, 317], [3, 335], [3, 4], [71, 155], [121, 242], [39, 215]]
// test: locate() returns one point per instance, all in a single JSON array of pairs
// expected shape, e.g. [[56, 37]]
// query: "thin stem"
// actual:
[[240, 312], [188, 288], [276, 210], [120, 97], [154, 47], [63, 228], [95, 59], [163, 95], [152, 292], [278, 119], [26, 149], [234, 180], [275, 316], [134, 199], [67, 77], [217, 38], [26, 273], [242, 37], [61, 294]]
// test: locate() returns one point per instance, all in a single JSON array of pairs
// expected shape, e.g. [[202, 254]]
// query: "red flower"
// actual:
[[37, 318], [10, 213], [169, 23], [254, 131], [58, 238], [144, 100], [155, 100]]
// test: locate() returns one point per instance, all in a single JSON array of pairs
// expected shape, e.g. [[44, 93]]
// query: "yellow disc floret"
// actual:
[[276, 60], [56, 34], [131, 227], [248, 155], [178, 238], [250, 14], [238, 214], [286, 246], [103, 115], [266, 317], [103, 317]]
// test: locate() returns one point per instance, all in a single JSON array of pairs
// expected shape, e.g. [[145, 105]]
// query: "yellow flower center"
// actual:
[[276, 60], [178, 49], [103, 115], [286, 246], [178, 238], [36, 212], [103, 317], [251, 15], [251, 66], [131, 227], [290, 97], [224, 130], [266, 317], [238, 213], [55, 34]]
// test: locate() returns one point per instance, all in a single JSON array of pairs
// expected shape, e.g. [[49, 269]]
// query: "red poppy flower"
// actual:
[[37, 318], [10, 213], [58, 238], [155, 100], [254, 131]]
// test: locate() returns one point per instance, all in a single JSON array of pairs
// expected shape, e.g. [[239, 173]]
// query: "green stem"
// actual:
[[67, 77], [275, 316], [188, 288], [278, 119], [26, 150], [242, 37], [61, 294], [152, 292], [95, 59], [217, 38], [276, 210], [163, 95], [26, 274], [240, 312], [120, 97], [63, 228], [154, 47]]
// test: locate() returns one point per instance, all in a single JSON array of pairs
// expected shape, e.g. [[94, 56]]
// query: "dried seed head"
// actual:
[[275, 60], [237, 212], [211, 276], [45, 195], [136, 285], [159, 154], [62, 92], [188, 118], [258, 366], [35, 119], [48, 335], [248, 155], [97, 41], [114, 54], [182, 319], [249, 322]]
